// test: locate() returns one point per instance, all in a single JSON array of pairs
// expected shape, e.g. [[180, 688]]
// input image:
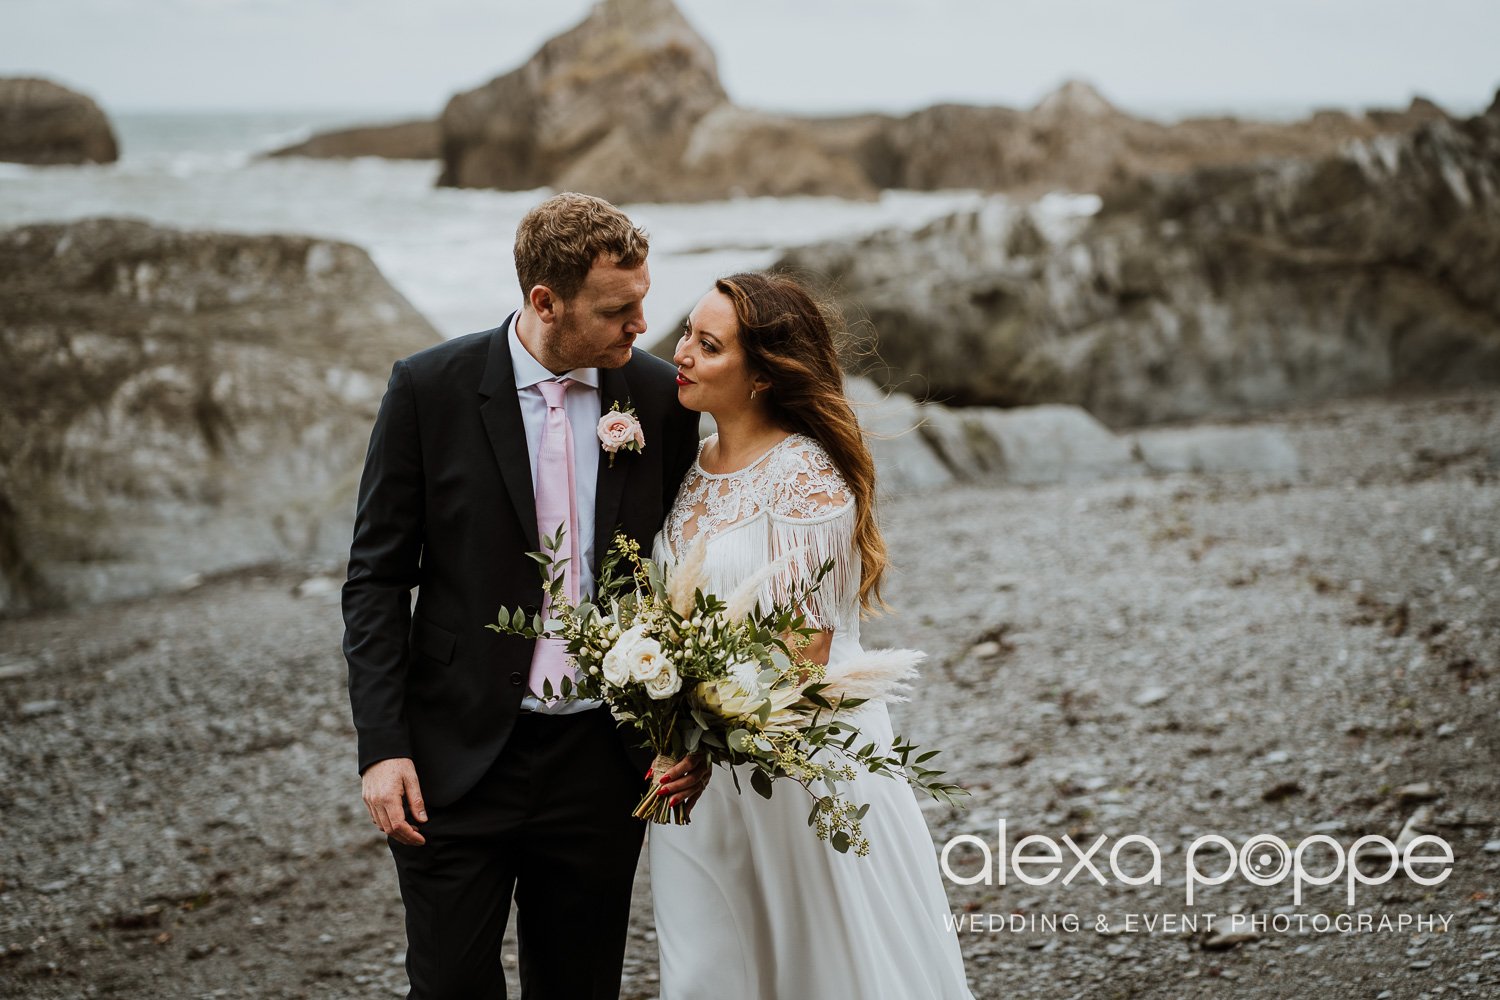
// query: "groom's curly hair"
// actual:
[[559, 241], [792, 340]]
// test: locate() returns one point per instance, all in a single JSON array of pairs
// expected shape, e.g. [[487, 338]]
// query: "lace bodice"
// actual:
[[795, 479], [791, 498]]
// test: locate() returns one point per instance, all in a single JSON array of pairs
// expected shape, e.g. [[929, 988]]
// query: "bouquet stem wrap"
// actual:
[[654, 808]]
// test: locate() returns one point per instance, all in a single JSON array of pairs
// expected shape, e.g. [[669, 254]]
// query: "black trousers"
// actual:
[[549, 824]]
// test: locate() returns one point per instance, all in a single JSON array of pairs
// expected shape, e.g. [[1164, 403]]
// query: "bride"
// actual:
[[749, 904]]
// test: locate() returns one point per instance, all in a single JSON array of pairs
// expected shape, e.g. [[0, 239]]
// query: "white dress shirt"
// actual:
[[584, 408]]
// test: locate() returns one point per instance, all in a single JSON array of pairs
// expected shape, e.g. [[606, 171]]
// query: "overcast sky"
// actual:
[[806, 55]]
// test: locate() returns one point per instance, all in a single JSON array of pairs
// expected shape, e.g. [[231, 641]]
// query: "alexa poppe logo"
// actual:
[[1263, 859]]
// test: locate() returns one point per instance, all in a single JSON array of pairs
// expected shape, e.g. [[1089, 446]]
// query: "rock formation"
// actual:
[[606, 107], [1221, 291], [628, 105], [181, 403], [1075, 140], [412, 140], [46, 124], [925, 446]]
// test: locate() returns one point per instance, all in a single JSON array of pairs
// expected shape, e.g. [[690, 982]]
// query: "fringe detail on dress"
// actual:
[[836, 601], [748, 594]]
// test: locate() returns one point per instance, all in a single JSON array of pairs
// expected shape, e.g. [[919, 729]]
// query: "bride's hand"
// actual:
[[684, 781], [816, 651]]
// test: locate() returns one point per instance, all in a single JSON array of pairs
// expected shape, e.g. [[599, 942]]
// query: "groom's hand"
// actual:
[[388, 785]]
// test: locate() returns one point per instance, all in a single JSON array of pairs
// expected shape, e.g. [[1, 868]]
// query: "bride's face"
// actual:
[[713, 371]]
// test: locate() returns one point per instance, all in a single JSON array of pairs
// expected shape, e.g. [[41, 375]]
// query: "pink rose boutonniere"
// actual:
[[620, 430]]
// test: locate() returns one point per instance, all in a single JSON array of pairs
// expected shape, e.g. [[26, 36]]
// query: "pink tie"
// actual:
[[556, 504]]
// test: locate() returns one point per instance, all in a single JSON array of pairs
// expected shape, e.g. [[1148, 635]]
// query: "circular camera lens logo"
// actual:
[[1265, 859]]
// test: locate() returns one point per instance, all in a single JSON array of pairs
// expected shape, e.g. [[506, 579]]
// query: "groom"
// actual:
[[485, 791]]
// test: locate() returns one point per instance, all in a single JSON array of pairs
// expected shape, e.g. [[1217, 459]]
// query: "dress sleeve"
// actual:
[[813, 515]]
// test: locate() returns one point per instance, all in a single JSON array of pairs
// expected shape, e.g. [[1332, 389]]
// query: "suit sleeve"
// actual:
[[682, 426], [384, 566]]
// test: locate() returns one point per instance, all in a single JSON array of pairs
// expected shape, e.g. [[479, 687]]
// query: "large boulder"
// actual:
[[1221, 291], [46, 124], [410, 140], [1048, 444], [606, 107], [1213, 449], [950, 304], [924, 446], [182, 403], [628, 105]]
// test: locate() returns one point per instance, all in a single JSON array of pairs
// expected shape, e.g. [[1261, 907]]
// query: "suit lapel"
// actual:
[[501, 413], [610, 487]]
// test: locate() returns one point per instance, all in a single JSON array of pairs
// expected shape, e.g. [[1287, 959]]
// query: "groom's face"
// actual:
[[597, 327]]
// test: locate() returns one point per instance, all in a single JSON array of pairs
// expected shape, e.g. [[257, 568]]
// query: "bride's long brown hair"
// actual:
[[790, 340]]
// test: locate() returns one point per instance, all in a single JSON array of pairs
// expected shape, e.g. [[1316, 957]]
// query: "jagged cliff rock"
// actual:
[[177, 403], [1221, 291]]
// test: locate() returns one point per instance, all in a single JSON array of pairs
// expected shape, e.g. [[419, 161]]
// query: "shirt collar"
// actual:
[[529, 371]]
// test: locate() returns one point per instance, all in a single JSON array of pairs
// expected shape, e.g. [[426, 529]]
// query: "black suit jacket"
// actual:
[[446, 505]]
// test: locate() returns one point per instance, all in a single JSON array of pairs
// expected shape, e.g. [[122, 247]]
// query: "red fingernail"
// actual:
[[673, 802], [660, 792]]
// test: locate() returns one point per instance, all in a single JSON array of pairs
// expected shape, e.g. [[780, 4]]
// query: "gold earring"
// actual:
[[752, 393]]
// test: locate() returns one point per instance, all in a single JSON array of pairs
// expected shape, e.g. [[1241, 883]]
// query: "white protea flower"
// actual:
[[726, 698], [739, 695], [746, 674]]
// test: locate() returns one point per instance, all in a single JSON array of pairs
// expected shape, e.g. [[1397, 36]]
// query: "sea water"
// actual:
[[447, 250]]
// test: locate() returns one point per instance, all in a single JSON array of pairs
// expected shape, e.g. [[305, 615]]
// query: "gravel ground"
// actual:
[[1170, 656]]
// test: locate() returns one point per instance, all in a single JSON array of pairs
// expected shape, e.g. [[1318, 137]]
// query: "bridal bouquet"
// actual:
[[695, 673]]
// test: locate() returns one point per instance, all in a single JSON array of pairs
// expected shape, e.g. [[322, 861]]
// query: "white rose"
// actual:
[[645, 660], [665, 683], [617, 661]]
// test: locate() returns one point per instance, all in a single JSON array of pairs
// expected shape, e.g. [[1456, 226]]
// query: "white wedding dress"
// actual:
[[749, 904]]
